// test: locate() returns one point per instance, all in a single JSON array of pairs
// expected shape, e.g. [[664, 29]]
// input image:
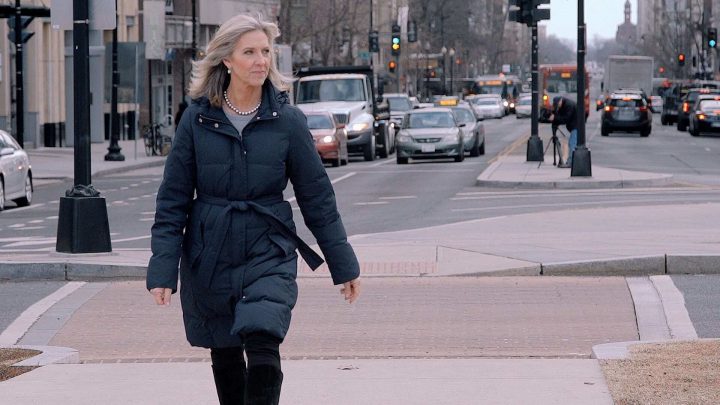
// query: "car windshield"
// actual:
[[525, 101], [399, 104], [464, 115], [431, 120], [313, 91], [317, 121], [485, 101], [709, 105]]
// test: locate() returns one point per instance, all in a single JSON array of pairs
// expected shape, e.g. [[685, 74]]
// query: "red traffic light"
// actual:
[[392, 65], [661, 69], [681, 57]]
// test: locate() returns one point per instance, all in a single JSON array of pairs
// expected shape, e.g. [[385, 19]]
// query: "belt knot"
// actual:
[[239, 205]]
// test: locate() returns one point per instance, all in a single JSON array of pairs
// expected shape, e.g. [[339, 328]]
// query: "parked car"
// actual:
[[705, 115], [488, 107], [15, 173], [523, 109], [330, 137], [473, 131], [430, 133], [688, 101], [626, 112]]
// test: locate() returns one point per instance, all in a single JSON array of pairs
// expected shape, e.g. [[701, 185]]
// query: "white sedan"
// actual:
[[488, 107], [15, 173]]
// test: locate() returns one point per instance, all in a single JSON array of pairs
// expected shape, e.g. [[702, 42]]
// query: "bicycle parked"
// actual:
[[156, 139]]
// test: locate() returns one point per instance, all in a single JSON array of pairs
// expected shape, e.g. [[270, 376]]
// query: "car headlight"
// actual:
[[451, 138], [505, 103], [512, 105], [327, 139], [359, 126], [404, 139]]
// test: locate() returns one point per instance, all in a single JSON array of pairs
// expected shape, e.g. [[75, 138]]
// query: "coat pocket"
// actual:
[[287, 246]]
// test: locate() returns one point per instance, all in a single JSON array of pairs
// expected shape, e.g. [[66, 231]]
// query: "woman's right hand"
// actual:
[[162, 295]]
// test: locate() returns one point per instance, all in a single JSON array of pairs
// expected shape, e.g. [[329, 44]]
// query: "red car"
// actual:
[[330, 138]]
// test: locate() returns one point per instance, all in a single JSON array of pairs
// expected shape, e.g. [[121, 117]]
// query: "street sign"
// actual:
[[154, 29]]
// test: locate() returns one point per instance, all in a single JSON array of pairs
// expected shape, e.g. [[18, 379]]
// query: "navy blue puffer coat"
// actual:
[[222, 221]]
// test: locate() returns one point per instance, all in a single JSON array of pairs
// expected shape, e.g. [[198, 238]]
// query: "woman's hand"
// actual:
[[162, 295], [351, 290]]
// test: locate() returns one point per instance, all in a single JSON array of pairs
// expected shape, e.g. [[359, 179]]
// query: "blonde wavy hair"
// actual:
[[209, 75]]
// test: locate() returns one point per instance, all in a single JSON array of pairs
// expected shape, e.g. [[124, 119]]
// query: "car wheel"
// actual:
[[336, 162], [2, 194], [27, 200], [385, 149], [663, 120], [401, 160], [604, 131], [693, 131], [645, 132], [681, 126], [481, 149], [369, 150], [475, 150], [461, 155]]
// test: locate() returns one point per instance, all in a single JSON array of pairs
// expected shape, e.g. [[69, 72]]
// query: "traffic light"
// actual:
[[373, 41], [392, 65], [411, 31], [681, 59], [712, 37], [661, 69], [395, 40], [528, 12], [24, 35]]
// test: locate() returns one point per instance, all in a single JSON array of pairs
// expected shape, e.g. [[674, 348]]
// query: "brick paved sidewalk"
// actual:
[[396, 317]]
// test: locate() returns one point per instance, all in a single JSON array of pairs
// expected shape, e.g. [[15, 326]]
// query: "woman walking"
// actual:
[[222, 219]]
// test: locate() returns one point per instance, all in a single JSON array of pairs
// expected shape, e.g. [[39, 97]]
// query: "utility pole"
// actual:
[[581, 164]]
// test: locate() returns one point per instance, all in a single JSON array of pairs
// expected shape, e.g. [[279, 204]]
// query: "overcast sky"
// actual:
[[601, 17]]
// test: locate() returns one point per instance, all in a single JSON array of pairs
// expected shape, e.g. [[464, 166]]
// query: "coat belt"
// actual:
[[218, 236]]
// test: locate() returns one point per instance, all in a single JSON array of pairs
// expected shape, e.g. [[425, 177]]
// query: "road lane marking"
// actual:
[[29, 207], [348, 175], [707, 149], [16, 226], [29, 228], [559, 205], [371, 203], [148, 213], [380, 163], [131, 239], [399, 197], [22, 323], [146, 219], [32, 242], [36, 221]]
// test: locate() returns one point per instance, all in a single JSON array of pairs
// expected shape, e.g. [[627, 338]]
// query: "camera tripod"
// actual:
[[557, 147]]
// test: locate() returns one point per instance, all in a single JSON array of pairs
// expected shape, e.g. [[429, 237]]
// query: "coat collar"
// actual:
[[214, 118]]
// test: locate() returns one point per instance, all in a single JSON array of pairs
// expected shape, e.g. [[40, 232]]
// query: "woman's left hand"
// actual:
[[351, 290]]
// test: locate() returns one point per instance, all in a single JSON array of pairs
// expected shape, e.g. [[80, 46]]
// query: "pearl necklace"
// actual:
[[237, 110]]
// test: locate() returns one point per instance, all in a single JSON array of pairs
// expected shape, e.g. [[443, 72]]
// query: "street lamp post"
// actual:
[[427, 66], [444, 51], [581, 163], [452, 65], [114, 149]]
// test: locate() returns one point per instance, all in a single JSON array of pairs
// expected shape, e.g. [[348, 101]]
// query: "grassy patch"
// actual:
[[666, 373], [8, 357]]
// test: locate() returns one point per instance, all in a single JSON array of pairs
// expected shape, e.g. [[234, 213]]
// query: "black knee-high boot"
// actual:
[[263, 385], [230, 384], [229, 372]]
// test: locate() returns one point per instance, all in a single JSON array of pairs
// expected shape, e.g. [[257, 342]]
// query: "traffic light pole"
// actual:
[[19, 93], [581, 165], [535, 144], [82, 219]]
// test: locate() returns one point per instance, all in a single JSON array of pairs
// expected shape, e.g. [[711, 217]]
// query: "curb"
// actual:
[[49, 355], [571, 183], [621, 350], [105, 172], [625, 266]]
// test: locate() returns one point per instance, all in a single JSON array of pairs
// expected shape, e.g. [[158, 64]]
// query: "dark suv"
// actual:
[[626, 112], [672, 102], [688, 101]]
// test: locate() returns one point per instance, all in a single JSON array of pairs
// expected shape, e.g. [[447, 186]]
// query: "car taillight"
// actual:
[[701, 116], [608, 108], [642, 109], [686, 107]]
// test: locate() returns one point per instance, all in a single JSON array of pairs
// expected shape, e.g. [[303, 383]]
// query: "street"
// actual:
[[381, 196]]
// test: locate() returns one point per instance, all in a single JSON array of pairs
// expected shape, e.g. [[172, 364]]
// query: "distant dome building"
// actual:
[[626, 35]]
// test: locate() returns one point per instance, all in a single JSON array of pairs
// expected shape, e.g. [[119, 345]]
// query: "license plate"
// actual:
[[427, 148]]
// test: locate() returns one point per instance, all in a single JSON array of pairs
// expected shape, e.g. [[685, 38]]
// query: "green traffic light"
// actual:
[[396, 40], [712, 43]]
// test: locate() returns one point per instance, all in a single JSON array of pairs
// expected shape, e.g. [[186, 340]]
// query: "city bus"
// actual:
[[561, 80], [507, 86]]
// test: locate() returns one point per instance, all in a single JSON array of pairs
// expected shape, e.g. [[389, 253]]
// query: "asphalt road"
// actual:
[[382, 196]]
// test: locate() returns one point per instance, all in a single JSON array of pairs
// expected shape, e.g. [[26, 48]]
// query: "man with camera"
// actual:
[[564, 111]]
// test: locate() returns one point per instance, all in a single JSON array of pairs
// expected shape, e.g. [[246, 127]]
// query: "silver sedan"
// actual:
[[15, 173], [430, 133]]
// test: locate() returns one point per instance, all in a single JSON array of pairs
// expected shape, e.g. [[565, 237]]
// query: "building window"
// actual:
[[130, 20]]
